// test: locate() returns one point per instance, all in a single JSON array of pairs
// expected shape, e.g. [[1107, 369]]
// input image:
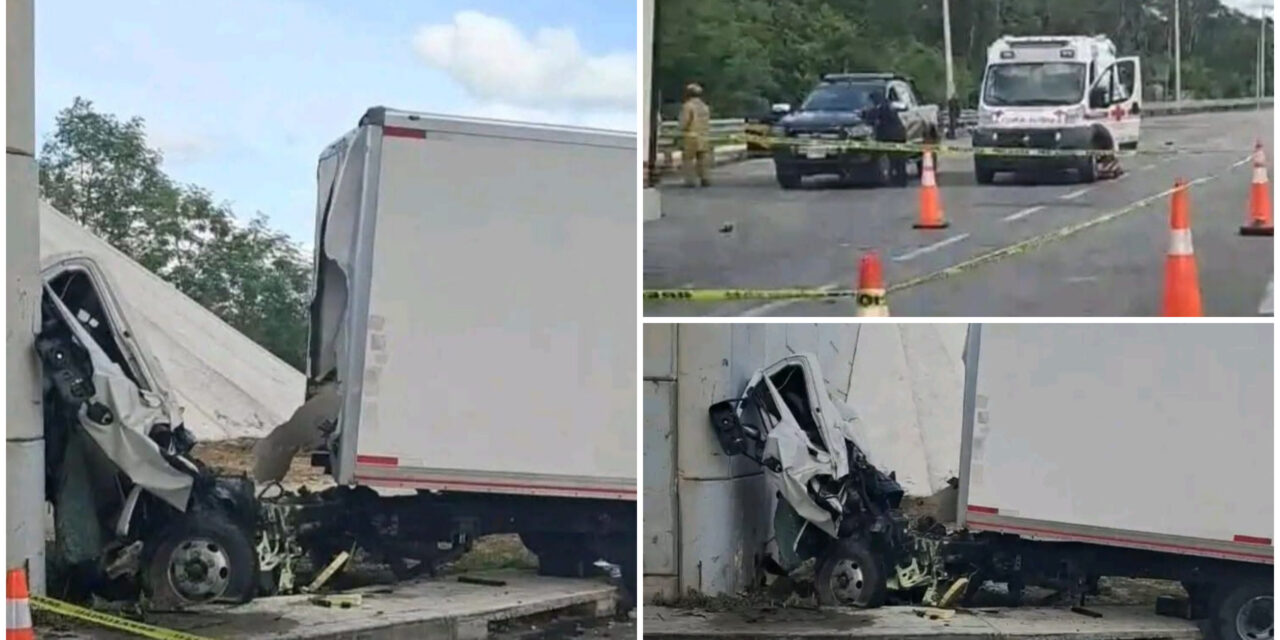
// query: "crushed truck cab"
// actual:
[[133, 509]]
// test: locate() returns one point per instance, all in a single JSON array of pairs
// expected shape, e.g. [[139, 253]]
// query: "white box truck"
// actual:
[[1133, 450], [471, 371], [474, 320], [1086, 451]]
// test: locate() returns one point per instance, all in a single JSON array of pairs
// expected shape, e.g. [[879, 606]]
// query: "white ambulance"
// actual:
[[1056, 92]]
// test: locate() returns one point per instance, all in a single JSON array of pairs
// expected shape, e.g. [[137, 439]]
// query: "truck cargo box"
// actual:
[[1155, 437], [475, 300]]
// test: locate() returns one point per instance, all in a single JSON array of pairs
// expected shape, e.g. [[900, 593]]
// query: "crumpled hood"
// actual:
[[124, 438]]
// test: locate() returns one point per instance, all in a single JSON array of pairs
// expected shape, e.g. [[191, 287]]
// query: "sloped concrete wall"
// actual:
[[228, 386]]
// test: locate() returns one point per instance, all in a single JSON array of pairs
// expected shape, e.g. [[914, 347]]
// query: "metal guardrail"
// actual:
[[727, 127]]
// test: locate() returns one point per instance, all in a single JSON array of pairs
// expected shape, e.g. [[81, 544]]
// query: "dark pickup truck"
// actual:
[[836, 111]]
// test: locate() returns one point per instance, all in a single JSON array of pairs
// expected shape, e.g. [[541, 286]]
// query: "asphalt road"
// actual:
[[1113, 265]]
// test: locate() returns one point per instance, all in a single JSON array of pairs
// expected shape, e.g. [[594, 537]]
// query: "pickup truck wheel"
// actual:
[[983, 174], [848, 574], [788, 179], [1245, 612], [882, 171], [203, 557]]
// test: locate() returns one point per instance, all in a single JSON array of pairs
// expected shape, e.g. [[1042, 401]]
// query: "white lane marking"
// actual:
[[767, 307], [1075, 194], [933, 247], [1023, 213], [1147, 167], [1267, 306], [1010, 249]]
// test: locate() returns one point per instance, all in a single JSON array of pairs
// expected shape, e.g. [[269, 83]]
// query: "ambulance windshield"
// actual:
[[1034, 84]]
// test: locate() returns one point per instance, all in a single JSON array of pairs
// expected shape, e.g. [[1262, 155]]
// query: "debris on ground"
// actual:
[[1086, 612], [338, 601], [482, 581], [936, 614]]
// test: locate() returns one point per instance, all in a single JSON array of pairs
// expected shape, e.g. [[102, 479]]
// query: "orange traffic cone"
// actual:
[[931, 216], [871, 294], [1259, 198], [1181, 284], [18, 613]]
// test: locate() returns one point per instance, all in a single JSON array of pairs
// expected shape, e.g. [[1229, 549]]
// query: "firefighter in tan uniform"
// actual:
[[695, 135]]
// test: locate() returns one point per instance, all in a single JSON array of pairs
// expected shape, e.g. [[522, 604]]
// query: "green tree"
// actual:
[[99, 170], [747, 53]]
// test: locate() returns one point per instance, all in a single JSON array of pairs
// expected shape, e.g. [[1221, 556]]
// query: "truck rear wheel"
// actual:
[[1245, 612], [848, 574], [562, 556]]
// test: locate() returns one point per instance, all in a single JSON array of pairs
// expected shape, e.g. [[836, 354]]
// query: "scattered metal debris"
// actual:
[[338, 601]]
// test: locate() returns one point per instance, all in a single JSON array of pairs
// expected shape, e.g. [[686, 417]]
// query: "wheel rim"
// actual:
[[199, 570], [1254, 619], [847, 582]]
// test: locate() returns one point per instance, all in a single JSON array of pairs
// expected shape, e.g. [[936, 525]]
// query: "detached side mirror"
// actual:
[[1098, 98], [734, 436]]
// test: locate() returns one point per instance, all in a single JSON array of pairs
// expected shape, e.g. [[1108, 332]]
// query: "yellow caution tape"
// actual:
[[943, 149], [41, 603], [708, 295], [1022, 246]]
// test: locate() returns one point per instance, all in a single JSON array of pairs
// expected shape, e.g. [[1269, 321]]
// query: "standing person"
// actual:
[[888, 128], [695, 134]]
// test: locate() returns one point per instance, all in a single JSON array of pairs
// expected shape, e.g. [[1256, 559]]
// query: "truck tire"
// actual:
[[788, 178], [849, 574], [881, 171], [202, 557], [1244, 612]]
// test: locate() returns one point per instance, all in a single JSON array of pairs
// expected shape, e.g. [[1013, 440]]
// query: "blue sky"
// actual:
[[242, 95]]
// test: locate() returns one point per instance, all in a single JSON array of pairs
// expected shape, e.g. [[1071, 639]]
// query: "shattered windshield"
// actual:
[[1034, 84]]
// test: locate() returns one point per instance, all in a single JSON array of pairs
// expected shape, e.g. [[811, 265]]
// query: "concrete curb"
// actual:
[[432, 608], [908, 623]]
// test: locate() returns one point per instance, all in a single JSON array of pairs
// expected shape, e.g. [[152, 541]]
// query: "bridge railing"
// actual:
[[668, 132]]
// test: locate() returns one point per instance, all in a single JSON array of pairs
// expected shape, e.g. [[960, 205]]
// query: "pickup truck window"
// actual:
[[839, 97]]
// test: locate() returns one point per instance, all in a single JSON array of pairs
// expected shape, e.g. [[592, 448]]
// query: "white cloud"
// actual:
[[179, 146], [495, 62]]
